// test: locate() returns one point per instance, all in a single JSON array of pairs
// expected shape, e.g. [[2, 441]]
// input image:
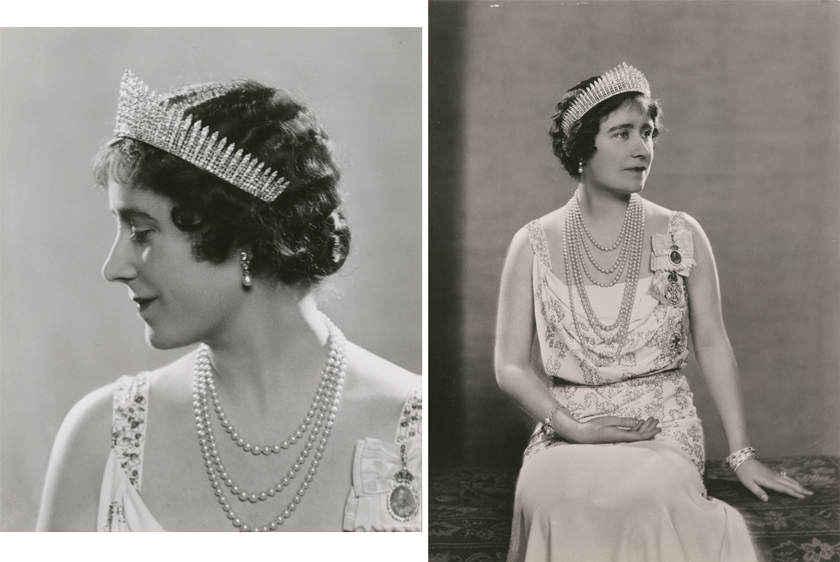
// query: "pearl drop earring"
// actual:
[[580, 167], [245, 262]]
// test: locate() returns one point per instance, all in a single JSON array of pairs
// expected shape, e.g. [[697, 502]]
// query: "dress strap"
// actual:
[[539, 243], [128, 425], [411, 418], [676, 223]]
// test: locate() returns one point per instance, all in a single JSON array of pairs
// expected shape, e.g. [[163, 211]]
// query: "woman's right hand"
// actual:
[[613, 429]]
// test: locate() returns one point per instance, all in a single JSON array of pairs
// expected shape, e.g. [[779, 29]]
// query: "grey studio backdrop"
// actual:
[[66, 331], [750, 93]]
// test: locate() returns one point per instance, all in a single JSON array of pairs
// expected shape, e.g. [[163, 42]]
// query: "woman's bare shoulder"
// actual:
[[376, 378], [80, 452], [657, 216], [375, 392]]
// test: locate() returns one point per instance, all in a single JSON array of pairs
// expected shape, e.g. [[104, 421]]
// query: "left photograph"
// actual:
[[212, 280]]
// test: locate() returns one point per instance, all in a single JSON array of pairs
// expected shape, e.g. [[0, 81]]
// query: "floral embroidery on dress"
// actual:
[[657, 343], [128, 425], [116, 515], [536, 234], [411, 419]]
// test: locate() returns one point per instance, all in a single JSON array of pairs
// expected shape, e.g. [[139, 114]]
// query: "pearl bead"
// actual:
[[235, 490], [272, 525], [237, 522], [257, 450], [253, 498], [264, 528], [245, 528], [243, 496], [263, 496]]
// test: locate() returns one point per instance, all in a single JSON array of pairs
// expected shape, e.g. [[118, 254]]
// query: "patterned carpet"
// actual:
[[470, 511]]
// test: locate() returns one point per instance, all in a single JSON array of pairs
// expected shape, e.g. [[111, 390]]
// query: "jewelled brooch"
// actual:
[[671, 261], [403, 500]]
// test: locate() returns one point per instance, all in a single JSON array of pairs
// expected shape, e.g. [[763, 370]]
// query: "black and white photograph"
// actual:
[[590, 304], [212, 279]]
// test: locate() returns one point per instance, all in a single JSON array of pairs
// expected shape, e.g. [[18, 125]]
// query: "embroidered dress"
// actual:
[[376, 462], [623, 502]]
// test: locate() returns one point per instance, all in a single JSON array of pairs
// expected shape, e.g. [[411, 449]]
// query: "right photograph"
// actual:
[[634, 281]]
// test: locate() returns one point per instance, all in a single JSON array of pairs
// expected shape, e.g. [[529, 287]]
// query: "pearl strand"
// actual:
[[589, 235], [637, 230], [266, 449], [332, 382], [574, 262]]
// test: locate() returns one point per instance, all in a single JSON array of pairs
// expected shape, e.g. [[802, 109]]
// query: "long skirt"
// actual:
[[631, 502]]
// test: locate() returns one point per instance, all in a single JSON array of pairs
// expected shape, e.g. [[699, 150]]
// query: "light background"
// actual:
[[750, 93], [66, 331]]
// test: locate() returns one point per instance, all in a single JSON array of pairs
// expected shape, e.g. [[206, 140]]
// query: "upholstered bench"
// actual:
[[470, 511]]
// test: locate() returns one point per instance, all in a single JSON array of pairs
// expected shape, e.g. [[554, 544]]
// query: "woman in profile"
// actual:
[[227, 203], [607, 285]]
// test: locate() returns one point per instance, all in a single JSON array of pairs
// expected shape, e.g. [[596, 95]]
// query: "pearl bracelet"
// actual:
[[546, 428], [737, 458]]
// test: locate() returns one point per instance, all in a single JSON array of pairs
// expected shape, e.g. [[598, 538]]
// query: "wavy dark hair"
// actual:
[[298, 239], [579, 144]]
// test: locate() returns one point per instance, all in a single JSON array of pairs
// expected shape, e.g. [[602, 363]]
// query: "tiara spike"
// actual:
[[162, 122], [623, 78]]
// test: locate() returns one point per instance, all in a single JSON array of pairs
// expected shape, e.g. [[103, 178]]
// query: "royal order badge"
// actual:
[[674, 289], [403, 500]]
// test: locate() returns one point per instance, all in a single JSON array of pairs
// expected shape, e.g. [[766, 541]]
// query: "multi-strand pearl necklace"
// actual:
[[630, 241], [318, 422]]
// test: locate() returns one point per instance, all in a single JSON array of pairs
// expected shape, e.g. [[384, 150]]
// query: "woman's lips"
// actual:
[[143, 304]]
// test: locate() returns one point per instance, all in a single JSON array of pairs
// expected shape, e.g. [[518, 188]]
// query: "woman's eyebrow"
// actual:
[[129, 214], [622, 126]]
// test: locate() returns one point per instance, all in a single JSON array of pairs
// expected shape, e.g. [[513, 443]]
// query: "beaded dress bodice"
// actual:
[[657, 337]]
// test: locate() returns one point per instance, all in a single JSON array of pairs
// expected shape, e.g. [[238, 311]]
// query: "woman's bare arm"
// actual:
[[70, 501], [717, 362]]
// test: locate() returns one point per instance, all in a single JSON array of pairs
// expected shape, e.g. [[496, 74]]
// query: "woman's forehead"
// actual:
[[632, 112], [123, 196]]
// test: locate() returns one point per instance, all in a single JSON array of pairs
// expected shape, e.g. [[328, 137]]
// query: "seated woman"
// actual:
[[227, 203], [607, 284]]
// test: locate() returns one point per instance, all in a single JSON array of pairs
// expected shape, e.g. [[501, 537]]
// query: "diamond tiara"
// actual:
[[160, 122], [622, 78]]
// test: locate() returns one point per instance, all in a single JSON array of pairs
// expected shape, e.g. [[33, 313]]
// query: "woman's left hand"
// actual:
[[756, 476]]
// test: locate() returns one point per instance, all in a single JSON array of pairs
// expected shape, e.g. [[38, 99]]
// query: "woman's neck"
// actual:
[[603, 211], [271, 352]]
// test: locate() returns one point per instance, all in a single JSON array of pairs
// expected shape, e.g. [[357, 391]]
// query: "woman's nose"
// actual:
[[643, 147], [119, 266]]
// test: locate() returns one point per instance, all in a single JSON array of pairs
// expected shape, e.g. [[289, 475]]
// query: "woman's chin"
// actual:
[[159, 340]]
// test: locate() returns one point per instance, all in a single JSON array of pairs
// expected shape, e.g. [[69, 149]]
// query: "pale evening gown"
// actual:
[[626, 502], [375, 465]]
